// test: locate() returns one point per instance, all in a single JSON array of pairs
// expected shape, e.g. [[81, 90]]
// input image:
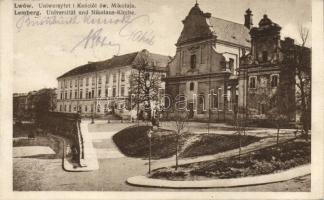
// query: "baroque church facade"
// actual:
[[269, 71], [204, 73]]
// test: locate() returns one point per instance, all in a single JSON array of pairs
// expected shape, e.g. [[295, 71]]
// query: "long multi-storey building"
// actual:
[[103, 87]]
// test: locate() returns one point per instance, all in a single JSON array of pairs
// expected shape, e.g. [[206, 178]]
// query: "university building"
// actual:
[[99, 88], [204, 70]]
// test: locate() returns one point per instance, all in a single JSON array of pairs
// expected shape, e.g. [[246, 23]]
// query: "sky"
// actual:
[[43, 53]]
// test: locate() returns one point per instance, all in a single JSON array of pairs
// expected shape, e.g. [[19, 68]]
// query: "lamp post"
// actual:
[[149, 135]]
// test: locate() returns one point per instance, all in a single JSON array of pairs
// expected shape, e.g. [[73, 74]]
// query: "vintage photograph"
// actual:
[[162, 96]]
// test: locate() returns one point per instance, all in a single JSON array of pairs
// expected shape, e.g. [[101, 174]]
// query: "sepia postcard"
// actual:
[[145, 99]]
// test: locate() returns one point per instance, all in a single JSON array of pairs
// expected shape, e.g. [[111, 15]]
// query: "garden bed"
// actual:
[[265, 161], [134, 142]]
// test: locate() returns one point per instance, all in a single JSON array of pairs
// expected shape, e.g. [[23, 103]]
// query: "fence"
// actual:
[[66, 125]]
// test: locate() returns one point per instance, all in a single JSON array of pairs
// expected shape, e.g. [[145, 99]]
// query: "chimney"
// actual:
[[248, 19]]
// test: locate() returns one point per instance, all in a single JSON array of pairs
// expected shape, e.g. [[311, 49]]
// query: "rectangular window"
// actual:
[[192, 86], [76, 82], [87, 94], [122, 91], [106, 92], [99, 80], [193, 61], [123, 76], [214, 100], [114, 78], [107, 78], [219, 99], [114, 91], [70, 83], [99, 92], [274, 80], [252, 82], [75, 94], [264, 56], [93, 80], [87, 81], [231, 64], [70, 94], [92, 93], [81, 94], [81, 82]]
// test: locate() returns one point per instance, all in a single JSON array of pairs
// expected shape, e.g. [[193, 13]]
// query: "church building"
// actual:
[[204, 71], [270, 65]]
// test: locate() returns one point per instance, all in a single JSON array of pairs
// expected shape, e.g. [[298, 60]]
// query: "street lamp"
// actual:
[[149, 135]]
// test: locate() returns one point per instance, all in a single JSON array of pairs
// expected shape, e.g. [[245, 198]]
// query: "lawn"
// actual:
[[208, 144], [134, 142], [265, 161]]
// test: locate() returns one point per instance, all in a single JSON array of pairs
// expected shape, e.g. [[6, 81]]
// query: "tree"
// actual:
[[145, 82], [239, 124], [280, 109], [42, 104], [180, 118], [303, 73]]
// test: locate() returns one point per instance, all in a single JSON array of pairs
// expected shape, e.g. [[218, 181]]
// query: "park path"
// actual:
[[32, 174], [265, 142], [106, 148]]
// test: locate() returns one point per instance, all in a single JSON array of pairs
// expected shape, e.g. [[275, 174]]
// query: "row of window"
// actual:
[[86, 108], [64, 83], [274, 81], [193, 63], [90, 94]]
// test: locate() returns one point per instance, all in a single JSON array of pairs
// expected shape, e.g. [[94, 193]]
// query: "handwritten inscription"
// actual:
[[94, 39], [143, 33]]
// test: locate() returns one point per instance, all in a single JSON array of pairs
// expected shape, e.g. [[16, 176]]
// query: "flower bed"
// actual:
[[265, 161]]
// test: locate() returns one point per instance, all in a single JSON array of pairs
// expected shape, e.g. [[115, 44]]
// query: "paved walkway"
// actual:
[[268, 141], [233, 182], [32, 174], [89, 162]]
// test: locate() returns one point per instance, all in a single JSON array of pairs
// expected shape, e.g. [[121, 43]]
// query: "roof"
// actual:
[[199, 25], [160, 61], [231, 32]]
